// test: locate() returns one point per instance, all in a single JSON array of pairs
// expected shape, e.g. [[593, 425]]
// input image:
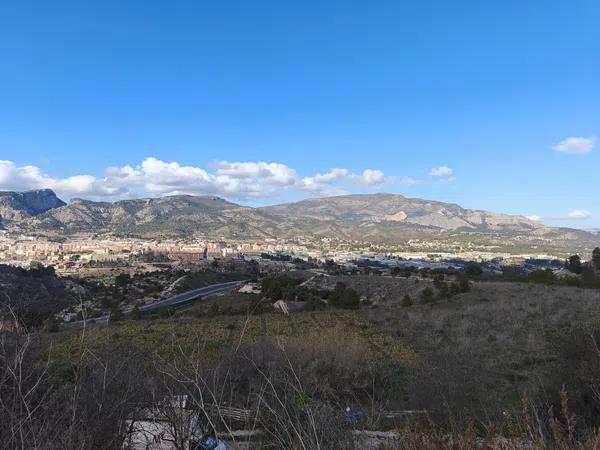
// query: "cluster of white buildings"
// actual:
[[21, 249]]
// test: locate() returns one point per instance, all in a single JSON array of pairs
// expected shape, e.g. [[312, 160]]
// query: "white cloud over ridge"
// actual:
[[576, 145], [237, 180], [369, 177]]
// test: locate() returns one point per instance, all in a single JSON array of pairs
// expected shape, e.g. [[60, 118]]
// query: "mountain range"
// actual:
[[376, 218], [16, 207]]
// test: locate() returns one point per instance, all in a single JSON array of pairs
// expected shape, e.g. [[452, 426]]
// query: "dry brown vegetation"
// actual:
[[488, 366]]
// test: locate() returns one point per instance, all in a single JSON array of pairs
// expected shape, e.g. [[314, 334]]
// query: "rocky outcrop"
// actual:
[[179, 215], [16, 207]]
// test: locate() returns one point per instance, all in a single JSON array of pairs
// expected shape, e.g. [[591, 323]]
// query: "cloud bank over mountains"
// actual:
[[237, 180]]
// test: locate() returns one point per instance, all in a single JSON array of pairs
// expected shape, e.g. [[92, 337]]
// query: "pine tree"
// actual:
[[574, 265], [596, 258], [427, 295]]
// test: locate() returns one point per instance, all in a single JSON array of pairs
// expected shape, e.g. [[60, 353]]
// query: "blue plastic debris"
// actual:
[[354, 417], [212, 443]]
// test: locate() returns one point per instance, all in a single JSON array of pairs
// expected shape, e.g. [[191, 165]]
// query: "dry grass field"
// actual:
[[484, 349], [216, 336]]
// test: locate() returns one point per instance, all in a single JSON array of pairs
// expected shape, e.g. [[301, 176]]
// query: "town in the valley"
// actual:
[[71, 255]]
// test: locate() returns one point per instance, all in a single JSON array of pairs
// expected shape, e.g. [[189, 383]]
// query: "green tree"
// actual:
[[596, 258], [123, 279], [427, 295], [473, 269], [344, 297], [574, 265], [279, 287], [589, 277], [351, 299], [115, 315], [335, 298], [542, 276], [407, 301]]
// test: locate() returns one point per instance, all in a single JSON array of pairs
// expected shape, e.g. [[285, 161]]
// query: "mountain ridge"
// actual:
[[19, 206], [376, 218]]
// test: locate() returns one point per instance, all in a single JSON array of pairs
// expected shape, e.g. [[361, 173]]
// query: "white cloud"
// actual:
[[577, 214], [13, 177], [323, 183], [580, 214], [238, 180], [576, 145], [408, 182], [369, 177], [442, 172], [271, 173]]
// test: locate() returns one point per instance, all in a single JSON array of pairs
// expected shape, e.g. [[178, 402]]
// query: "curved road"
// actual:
[[174, 301]]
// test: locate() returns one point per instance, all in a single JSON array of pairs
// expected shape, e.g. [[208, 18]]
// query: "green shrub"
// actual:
[[115, 315], [427, 295], [344, 297], [473, 269]]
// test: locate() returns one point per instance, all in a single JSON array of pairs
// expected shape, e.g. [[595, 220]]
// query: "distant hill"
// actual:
[[391, 218], [16, 207], [180, 215], [376, 218], [366, 210]]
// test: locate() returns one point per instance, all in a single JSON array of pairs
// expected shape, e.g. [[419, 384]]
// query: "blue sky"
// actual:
[[259, 101]]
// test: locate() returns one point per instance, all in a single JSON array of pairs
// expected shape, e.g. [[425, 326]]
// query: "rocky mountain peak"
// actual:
[[16, 206]]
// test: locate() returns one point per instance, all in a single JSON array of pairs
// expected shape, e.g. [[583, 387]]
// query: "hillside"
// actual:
[[378, 218], [15, 207], [180, 215], [36, 293], [397, 209], [482, 348], [395, 219]]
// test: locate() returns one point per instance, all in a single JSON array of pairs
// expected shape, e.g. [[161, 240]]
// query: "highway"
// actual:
[[174, 301], [188, 296]]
